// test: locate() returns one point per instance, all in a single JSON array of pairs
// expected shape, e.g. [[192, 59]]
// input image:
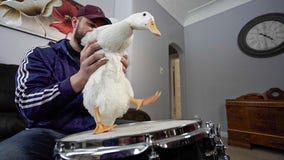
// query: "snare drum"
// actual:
[[165, 140]]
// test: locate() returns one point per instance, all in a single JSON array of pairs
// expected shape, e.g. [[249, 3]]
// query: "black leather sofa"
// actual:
[[11, 120]]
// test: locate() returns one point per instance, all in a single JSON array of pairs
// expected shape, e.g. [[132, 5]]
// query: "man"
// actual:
[[49, 82]]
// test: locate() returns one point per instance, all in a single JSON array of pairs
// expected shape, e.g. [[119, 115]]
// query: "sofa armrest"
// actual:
[[11, 123], [11, 120]]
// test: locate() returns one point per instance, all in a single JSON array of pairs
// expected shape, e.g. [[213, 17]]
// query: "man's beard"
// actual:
[[78, 37]]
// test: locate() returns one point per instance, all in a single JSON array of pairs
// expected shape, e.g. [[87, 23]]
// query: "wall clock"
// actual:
[[263, 36]]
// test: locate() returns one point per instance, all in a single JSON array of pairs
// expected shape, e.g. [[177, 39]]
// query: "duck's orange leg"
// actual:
[[100, 127], [143, 102]]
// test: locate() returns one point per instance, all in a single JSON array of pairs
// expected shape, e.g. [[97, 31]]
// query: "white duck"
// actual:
[[108, 92]]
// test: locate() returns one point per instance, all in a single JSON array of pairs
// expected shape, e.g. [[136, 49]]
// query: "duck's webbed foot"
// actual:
[[146, 101], [100, 128]]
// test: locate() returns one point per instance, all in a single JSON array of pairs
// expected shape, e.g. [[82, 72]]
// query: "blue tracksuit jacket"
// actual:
[[43, 92]]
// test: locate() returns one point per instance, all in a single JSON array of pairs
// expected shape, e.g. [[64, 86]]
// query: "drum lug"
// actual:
[[153, 155], [211, 127], [62, 148], [59, 148]]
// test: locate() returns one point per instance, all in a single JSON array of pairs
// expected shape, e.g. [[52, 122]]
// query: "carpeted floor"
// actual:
[[256, 153]]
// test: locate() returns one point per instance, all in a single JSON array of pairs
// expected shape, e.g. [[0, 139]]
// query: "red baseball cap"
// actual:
[[92, 12]]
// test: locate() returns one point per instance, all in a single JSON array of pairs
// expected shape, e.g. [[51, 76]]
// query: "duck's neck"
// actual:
[[126, 28], [119, 36]]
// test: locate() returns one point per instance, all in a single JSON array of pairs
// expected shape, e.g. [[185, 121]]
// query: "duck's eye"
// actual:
[[144, 14]]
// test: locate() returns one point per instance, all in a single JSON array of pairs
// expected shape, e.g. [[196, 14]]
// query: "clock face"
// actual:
[[263, 36]]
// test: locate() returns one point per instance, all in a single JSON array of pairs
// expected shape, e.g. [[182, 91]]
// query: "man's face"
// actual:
[[85, 25]]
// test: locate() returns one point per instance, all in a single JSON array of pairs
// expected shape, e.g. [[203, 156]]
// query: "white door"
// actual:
[[175, 86]]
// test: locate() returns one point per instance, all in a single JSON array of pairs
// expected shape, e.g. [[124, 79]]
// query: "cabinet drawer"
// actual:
[[266, 120], [267, 140], [280, 114], [262, 113], [239, 138], [266, 127], [237, 117]]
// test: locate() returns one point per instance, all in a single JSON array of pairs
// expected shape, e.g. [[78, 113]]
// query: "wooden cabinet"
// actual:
[[256, 119]]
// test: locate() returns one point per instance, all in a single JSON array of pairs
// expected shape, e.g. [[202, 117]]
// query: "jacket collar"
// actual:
[[59, 45]]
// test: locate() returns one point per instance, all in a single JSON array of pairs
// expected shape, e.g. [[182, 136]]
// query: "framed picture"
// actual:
[[50, 19]]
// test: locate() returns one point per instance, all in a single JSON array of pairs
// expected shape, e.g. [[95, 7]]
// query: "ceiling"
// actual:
[[187, 12]]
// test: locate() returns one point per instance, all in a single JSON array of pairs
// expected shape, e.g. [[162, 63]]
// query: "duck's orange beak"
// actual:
[[153, 28]]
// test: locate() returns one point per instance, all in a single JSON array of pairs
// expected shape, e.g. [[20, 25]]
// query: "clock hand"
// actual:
[[266, 36]]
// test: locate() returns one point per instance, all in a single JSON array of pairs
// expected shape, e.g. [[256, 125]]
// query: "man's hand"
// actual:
[[89, 63], [124, 62]]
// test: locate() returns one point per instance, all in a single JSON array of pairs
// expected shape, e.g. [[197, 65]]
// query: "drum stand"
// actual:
[[219, 153]]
